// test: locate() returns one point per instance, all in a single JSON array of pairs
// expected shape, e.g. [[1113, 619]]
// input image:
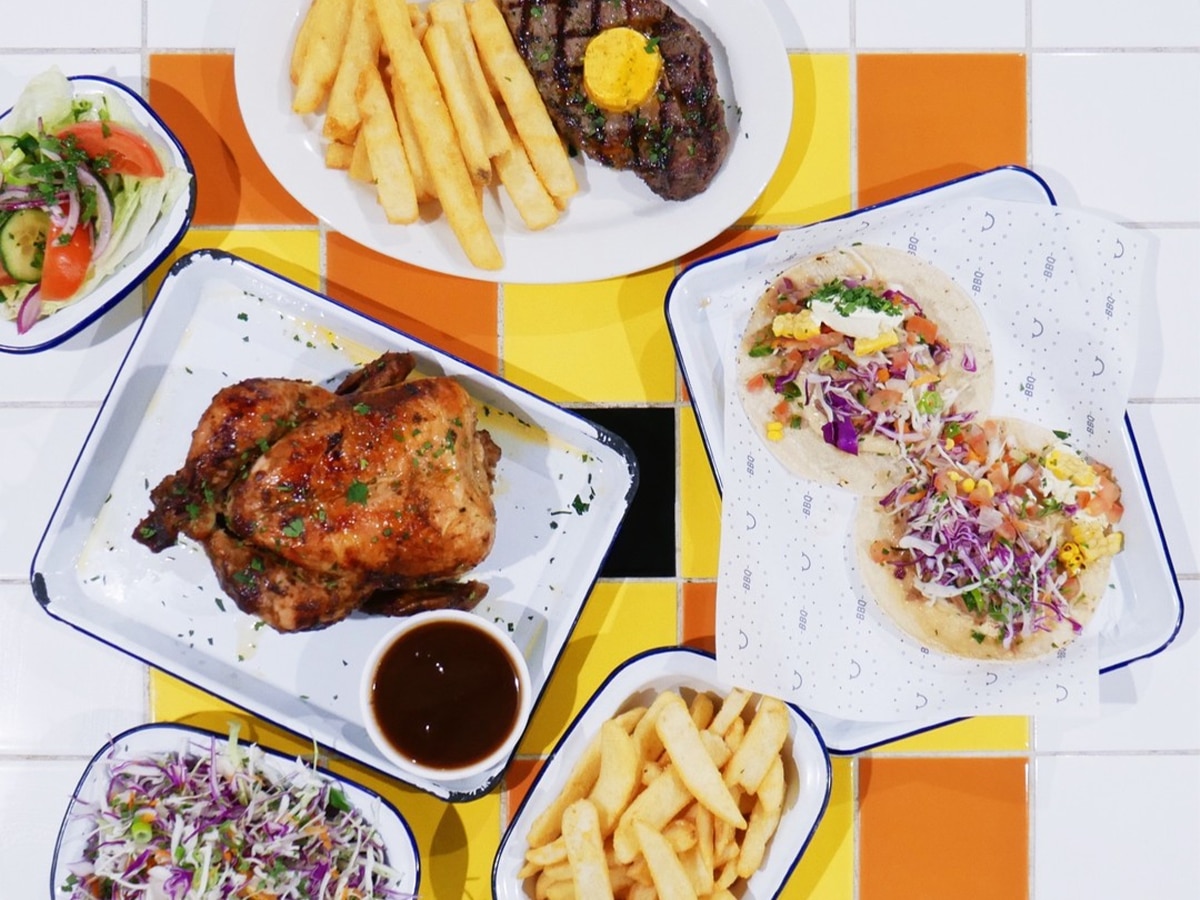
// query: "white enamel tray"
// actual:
[[614, 225], [149, 741], [637, 681], [1154, 603], [562, 488]]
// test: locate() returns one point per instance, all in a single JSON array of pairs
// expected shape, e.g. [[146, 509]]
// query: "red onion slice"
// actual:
[[31, 308], [104, 211]]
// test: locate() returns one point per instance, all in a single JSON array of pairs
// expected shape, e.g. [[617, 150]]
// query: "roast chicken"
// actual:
[[313, 504]]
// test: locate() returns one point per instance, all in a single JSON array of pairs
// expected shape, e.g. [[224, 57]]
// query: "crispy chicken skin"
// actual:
[[312, 504]]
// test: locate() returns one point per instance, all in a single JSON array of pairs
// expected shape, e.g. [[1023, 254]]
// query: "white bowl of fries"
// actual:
[[669, 781]]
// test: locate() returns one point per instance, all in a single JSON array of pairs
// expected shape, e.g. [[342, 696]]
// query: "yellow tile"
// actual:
[[813, 178], [827, 868], [699, 503], [618, 621], [294, 253], [982, 733], [600, 341]]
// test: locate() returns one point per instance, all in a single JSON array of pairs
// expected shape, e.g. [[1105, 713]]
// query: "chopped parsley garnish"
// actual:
[[357, 492], [847, 300]]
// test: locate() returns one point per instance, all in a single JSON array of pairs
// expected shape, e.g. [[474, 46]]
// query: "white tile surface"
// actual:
[[84, 24], [1170, 329], [1126, 145], [941, 24], [39, 448], [33, 799], [1116, 827], [64, 693], [1115, 23], [812, 24], [80, 369], [1153, 704], [207, 24], [1167, 435]]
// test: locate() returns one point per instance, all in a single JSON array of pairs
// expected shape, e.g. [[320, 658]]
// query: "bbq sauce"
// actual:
[[445, 695]]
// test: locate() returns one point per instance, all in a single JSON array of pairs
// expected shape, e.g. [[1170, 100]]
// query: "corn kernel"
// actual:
[[955, 476], [867, 346], [987, 486], [1071, 557], [968, 485], [1069, 467], [797, 325], [775, 431], [948, 443]]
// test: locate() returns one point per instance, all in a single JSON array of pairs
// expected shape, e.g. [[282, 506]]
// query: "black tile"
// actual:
[[645, 545]]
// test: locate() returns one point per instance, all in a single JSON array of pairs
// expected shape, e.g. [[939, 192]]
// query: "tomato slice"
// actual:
[[65, 265], [128, 152]]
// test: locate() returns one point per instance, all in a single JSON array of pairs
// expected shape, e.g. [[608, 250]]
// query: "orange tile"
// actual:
[[194, 93], [726, 241], [458, 315], [926, 118], [924, 823], [700, 615], [518, 779]]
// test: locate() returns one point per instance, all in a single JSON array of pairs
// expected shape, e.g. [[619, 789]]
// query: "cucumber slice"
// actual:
[[23, 243]]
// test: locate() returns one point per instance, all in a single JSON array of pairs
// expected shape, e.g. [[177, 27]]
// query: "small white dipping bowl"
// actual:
[[459, 694]]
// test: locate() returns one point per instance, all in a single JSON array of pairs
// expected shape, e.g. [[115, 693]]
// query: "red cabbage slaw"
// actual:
[[894, 393], [225, 822], [980, 528]]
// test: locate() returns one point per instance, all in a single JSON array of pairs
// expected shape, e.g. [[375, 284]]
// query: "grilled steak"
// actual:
[[676, 140]]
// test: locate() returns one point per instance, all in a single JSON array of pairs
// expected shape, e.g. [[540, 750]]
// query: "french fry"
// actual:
[[764, 819], [300, 47], [503, 63], [393, 180], [670, 878], [618, 777], [360, 52], [452, 15], [323, 43], [455, 90], [360, 162], [338, 156], [655, 806], [731, 709], [695, 766], [548, 824], [422, 180], [765, 736], [585, 852], [436, 137], [702, 709]]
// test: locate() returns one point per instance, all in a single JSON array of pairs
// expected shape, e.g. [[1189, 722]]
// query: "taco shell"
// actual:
[[804, 450]]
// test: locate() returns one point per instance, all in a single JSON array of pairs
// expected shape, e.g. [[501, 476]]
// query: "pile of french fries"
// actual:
[[671, 800], [431, 103]]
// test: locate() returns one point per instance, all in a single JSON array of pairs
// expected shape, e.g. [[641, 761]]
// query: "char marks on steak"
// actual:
[[675, 141]]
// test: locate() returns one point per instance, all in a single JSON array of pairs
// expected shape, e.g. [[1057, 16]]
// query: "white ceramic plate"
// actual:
[[151, 741], [164, 236], [635, 682], [562, 488], [614, 226], [1144, 571]]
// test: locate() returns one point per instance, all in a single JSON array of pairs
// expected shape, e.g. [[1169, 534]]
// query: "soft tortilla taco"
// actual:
[[1000, 547], [850, 357]]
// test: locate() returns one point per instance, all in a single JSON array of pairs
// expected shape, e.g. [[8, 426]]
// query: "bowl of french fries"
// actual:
[[669, 783]]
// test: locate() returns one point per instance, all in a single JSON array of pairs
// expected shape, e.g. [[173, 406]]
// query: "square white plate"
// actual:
[[1154, 605], [562, 488], [160, 740], [636, 682], [164, 236]]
